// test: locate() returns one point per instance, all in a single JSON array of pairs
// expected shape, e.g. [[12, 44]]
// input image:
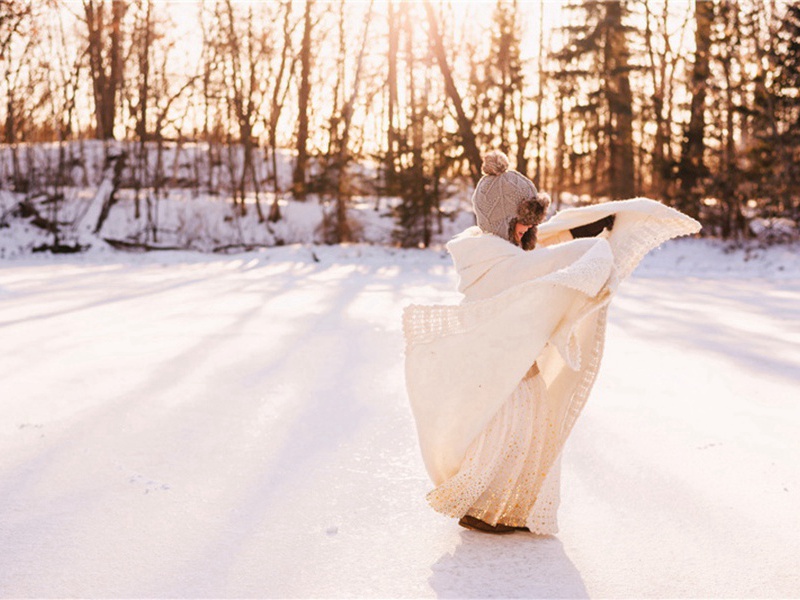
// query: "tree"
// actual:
[[304, 92], [413, 214], [14, 14], [786, 58], [620, 104], [105, 39], [392, 135], [498, 86], [594, 59], [662, 65], [279, 93], [692, 168], [339, 151], [247, 48], [773, 152], [466, 132], [142, 42], [16, 43], [726, 38]]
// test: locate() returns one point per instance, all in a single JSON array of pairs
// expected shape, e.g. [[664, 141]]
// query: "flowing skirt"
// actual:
[[504, 476]]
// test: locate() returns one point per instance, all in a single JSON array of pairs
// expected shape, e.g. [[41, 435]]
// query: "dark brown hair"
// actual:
[[529, 212]]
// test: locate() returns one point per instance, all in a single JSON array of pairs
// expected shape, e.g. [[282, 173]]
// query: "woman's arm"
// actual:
[[581, 231], [526, 266]]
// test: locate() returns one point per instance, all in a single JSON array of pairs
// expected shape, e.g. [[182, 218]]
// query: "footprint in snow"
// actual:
[[149, 484], [711, 445], [32, 426]]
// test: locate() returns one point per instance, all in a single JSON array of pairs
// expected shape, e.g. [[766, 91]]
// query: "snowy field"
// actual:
[[186, 425]]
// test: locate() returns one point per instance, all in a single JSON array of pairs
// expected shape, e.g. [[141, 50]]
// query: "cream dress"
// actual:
[[495, 456], [504, 476]]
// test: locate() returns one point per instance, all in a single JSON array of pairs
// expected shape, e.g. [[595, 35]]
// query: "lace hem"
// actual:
[[502, 478]]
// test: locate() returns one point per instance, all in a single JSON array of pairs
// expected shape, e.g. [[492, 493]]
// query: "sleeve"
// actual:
[[528, 266]]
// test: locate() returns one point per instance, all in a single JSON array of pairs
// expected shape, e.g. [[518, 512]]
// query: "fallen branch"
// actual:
[[27, 210], [139, 246], [242, 248], [60, 248]]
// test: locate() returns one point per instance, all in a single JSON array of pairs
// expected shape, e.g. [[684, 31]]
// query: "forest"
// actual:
[[261, 104]]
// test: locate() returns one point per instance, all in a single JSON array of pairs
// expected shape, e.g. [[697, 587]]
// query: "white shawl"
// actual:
[[546, 305]]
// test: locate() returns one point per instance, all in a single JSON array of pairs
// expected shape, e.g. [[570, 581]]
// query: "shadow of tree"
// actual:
[[155, 283], [754, 326]]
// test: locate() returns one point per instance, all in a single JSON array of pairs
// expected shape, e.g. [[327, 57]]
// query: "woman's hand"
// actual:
[[593, 229]]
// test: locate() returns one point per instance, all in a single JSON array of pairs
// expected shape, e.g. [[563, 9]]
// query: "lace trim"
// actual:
[[425, 323], [648, 234], [502, 479]]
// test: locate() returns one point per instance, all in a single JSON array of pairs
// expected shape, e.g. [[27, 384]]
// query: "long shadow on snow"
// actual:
[[643, 484], [677, 324], [328, 416], [755, 296], [29, 473], [26, 476], [121, 297], [511, 566]]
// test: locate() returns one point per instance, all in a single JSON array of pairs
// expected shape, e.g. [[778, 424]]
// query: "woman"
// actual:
[[497, 382]]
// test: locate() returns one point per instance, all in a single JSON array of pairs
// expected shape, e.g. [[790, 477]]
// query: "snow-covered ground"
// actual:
[[195, 208], [208, 223], [180, 424]]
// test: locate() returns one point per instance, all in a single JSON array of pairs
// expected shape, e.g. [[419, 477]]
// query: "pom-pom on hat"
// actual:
[[494, 163], [503, 198]]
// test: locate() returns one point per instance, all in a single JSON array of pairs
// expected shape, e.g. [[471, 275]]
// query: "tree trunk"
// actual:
[[558, 185], [344, 232], [299, 178], [394, 35], [540, 97], [105, 62], [620, 104], [471, 151], [144, 92], [691, 167], [278, 99], [657, 74]]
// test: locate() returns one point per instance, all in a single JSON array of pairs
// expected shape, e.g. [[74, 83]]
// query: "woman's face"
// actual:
[[519, 231]]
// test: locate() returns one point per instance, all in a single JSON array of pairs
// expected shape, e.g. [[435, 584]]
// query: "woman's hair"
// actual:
[[530, 212]]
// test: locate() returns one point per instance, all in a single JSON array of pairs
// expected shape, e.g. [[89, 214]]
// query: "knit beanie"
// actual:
[[504, 198]]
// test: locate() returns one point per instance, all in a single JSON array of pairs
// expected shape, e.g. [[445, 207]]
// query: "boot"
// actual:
[[471, 522]]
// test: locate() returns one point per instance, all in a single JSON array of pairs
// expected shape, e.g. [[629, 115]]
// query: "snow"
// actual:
[[194, 425], [206, 222], [195, 208]]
